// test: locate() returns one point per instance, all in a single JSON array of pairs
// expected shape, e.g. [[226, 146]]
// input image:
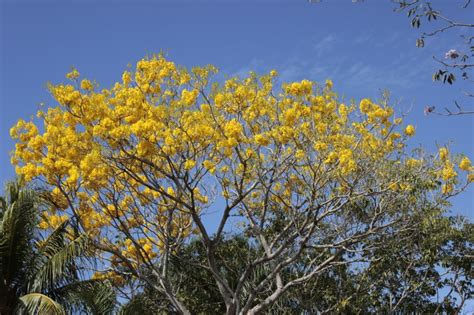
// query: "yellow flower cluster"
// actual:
[[413, 162], [86, 85], [410, 130], [443, 153], [140, 155], [131, 112], [189, 164], [74, 74], [52, 221], [465, 164], [448, 170], [139, 248], [112, 276], [189, 97], [299, 88], [262, 139]]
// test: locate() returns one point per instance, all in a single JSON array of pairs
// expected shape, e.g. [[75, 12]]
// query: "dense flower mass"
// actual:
[[148, 156]]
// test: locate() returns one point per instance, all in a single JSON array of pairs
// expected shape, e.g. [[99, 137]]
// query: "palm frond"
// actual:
[[92, 296], [37, 303], [54, 242], [60, 257], [17, 232], [258, 274], [41, 277], [143, 305]]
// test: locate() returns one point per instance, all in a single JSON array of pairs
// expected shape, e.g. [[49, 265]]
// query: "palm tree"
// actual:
[[42, 276]]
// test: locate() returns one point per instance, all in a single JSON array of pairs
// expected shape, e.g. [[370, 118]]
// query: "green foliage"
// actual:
[[426, 269], [42, 304], [196, 285], [41, 276]]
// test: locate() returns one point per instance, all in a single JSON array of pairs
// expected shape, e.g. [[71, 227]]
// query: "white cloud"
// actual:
[[324, 46]]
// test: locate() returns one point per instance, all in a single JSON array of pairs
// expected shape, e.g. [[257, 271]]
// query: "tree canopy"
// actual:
[[316, 183]]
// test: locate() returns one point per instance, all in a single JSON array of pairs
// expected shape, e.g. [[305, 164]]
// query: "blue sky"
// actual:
[[364, 48]]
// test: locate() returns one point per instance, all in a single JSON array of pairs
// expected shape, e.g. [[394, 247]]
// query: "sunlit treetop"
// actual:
[[149, 155]]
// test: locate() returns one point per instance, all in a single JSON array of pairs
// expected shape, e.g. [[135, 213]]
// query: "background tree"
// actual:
[[413, 274], [41, 276], [189, 271], [428, 270], [313, 181], [457, 62]]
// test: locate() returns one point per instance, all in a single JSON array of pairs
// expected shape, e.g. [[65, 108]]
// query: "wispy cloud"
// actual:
[[323, 46], [363, 38], [253, 65], [349, 65], [334, 59]]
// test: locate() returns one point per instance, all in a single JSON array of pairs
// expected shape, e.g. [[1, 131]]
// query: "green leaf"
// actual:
[[420, 43], [37, 303]]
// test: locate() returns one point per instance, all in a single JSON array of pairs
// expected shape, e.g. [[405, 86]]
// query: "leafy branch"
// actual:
[[455, 63]]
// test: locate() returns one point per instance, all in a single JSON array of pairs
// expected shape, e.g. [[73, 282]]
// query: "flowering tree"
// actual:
[[312, 182]]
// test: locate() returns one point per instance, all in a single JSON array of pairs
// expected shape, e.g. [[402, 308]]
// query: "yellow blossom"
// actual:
[[86, 85], [443, 153], [189, 97], [189, 164], [465, 164], [365, 105], [446, 188], [410, 130], [413, 162], [329, 84], [300, 154], [262, 139], [233, 129], [448, 171], [74, 74]]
